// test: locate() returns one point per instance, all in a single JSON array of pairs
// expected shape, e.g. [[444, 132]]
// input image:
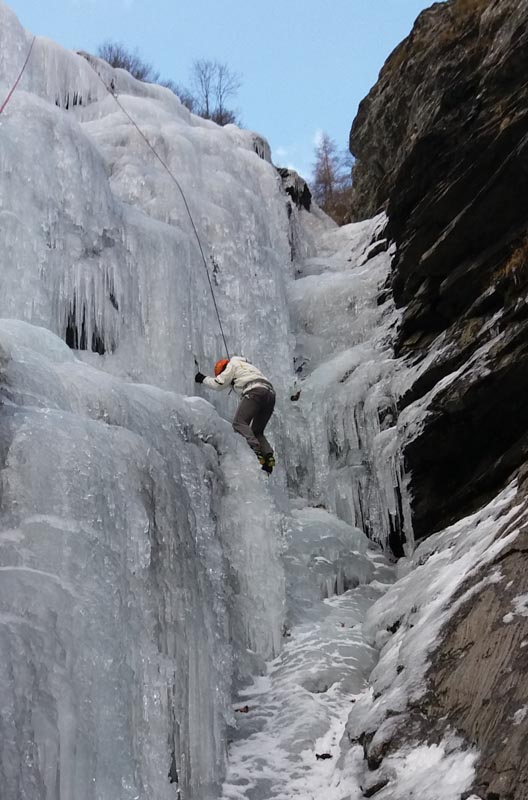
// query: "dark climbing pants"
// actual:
[[252, 416]]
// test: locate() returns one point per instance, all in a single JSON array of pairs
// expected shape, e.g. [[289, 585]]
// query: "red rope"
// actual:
[[11, 93]]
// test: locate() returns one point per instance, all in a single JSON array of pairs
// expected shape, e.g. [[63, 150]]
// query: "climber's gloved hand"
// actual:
[[199, 377]]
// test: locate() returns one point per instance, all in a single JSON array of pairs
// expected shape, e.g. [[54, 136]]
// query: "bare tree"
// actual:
[[332, 179], [117, 55], [202, 80], [326, 170], [213, 84], [227, 85]]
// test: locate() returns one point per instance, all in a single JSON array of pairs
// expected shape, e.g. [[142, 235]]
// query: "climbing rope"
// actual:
[[162, 162], [175, 180], [11, 93]]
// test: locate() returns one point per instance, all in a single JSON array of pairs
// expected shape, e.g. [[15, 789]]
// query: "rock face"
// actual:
[[442, 142], [478, 682], [296, 187]]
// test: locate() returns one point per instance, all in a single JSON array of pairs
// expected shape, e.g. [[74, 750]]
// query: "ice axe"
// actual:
[[196, 364]]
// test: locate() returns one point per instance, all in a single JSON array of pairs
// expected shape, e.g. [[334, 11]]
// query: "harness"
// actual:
[[258, 383]]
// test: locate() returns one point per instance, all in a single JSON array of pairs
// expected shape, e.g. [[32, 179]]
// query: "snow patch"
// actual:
[[431, 772], [520, 608]]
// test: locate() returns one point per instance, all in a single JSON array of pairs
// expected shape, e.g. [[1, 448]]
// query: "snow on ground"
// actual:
[[420, 603], [406, 625], [301, 708], [520, 608], [291, 721], [431, 772]]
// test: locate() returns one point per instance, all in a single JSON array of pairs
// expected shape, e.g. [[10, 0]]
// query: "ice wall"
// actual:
[[122, 600], [140, 544], [98, 244], [348, 454], [140, 547]]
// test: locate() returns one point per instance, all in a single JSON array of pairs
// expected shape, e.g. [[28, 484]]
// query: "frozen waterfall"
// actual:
[[149, 571]]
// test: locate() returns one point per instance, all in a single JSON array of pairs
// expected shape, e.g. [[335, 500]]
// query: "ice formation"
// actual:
[[148, 569]]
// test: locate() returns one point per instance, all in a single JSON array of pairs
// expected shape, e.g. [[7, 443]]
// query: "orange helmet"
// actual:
[[220, 366]]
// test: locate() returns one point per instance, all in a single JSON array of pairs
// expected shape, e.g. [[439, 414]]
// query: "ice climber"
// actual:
[[256, 405]]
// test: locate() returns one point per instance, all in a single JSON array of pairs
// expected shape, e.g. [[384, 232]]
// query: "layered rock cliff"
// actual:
[[441, 144], [441, 141]]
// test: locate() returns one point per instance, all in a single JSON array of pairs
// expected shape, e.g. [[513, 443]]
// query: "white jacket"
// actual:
[[239, 375]]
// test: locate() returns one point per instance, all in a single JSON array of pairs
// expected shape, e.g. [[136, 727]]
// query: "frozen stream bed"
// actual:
[[290, 721]]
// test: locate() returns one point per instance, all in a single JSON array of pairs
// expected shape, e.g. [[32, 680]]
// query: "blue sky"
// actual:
[[306, 64]]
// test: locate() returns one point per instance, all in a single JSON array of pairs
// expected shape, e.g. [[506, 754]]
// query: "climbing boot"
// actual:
[[266, 462], [269, 463]]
